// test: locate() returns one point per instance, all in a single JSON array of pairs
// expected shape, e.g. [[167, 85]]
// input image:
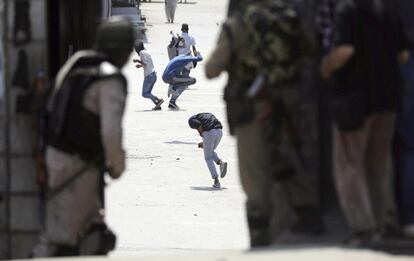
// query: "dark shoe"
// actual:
[[259, 238], [216, 184], [259, 230], [363, 239], [223, 169], [158, 103], [173, 106]]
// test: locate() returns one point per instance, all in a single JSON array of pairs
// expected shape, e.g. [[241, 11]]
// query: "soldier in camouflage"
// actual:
[[261, 47]]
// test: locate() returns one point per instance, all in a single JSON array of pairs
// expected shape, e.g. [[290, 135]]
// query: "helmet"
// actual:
[[115, 34]]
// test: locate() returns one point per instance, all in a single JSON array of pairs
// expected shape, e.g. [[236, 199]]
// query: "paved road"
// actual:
[[165, 200]]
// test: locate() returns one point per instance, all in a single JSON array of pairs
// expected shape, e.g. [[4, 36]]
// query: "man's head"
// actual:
[[193, 122], [115, 38], [184, 28], [139, 46]]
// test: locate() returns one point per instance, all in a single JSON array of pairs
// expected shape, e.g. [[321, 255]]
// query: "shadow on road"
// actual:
[[181, 142], [149, 110], [206, 188]]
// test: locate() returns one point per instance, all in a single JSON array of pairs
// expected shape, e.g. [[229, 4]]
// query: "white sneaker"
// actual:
[[223, 169], [408, 231]]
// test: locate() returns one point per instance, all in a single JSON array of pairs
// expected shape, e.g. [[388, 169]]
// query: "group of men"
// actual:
[[176, 74], [90, 91], [262, 46], [365, 57]]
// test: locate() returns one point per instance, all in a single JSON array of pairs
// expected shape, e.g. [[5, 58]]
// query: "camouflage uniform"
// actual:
[[265, 42]]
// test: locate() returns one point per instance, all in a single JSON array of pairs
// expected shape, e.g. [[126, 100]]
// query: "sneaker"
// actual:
[[158, 103], [216, 184], [223, 169], [173, 106]]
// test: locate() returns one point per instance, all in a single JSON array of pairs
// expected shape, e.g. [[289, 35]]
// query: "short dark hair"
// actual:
[[184, 27], [193, 122]]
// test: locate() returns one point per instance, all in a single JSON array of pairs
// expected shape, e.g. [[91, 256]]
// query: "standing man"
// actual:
[[210, 129], [261, 49], [370, 42], [188, 49], [170, 6], [84, 141], [150, 76]]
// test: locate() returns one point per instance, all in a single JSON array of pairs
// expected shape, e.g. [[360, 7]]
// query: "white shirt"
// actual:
[[189, 42], [147, 62]]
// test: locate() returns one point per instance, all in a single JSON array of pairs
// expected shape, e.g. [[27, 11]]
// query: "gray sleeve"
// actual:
[[111, 110]]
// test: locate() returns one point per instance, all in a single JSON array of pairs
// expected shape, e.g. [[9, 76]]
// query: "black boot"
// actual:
[[259, 228]]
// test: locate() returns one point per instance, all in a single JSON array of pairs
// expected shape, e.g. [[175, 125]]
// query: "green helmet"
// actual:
[[115, 34]]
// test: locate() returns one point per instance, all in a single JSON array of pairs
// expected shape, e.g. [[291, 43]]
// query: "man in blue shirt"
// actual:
[[176, 79]]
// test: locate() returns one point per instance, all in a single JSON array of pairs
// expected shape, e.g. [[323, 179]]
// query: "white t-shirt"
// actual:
[[147, 63], [189, 41]]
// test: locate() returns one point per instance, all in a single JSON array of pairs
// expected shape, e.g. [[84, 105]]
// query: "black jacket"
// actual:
[[206, 120]]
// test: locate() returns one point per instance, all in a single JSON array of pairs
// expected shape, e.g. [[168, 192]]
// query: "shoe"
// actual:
[[158, 103], [408, 231], [223, 169], [363, 239], [216, 184], [173, 106], [260, 238]]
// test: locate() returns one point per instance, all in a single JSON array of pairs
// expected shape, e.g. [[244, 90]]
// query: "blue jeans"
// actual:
[[148, 85], [179, 88], [405, 160], [211, 140]]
